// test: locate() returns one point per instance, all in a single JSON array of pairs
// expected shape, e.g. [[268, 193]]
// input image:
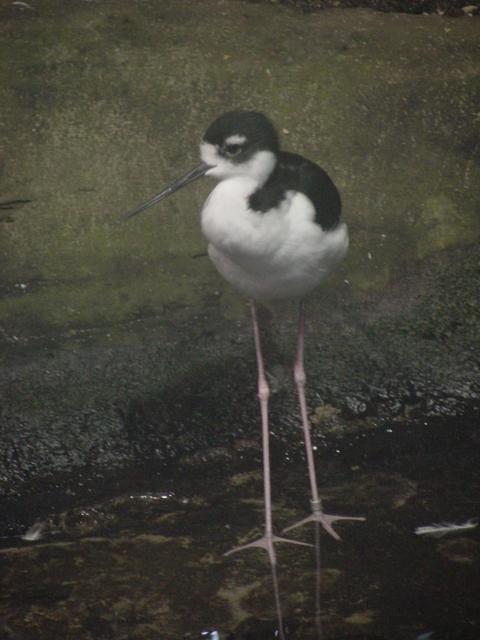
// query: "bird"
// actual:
[[274, 231]]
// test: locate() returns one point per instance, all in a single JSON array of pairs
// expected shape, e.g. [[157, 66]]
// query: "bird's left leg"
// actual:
[[268, 540], [318, 515]]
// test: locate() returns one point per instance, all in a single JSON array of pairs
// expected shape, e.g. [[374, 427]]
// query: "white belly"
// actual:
[[273, 255]]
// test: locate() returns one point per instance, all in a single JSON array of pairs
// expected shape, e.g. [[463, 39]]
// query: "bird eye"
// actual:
[[232, 149]]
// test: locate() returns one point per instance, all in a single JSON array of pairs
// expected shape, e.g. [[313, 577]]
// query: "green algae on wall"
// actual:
[[103, 104]]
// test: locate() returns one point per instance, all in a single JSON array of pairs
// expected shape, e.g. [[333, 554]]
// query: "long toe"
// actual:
[[326, 520], [267, 542]]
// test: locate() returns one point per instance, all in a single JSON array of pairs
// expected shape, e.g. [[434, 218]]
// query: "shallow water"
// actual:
[[108, 99], [142, 556]]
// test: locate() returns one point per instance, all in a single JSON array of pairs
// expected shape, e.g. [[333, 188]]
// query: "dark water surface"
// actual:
[[140, 555]]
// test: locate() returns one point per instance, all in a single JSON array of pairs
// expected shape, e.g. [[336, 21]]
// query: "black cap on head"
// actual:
[[253, 125]]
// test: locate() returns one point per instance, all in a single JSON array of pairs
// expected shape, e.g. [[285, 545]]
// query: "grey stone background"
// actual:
[[118, 342]]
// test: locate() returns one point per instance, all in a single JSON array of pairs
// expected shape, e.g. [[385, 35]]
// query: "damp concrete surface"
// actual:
[[129, 422]]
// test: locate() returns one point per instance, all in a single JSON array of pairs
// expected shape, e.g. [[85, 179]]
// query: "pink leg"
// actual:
[[317, 515], [268, 539], [318, 580]]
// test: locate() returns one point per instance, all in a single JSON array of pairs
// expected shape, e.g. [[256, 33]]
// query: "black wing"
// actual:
[[293, 172]]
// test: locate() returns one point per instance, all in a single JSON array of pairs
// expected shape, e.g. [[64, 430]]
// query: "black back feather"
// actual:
[[293, 172]]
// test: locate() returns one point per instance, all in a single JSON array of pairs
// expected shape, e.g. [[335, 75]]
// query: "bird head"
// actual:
[[238, 143]]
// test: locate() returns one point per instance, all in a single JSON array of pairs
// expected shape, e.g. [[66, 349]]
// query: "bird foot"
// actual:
[[266, 542], [325, 519]]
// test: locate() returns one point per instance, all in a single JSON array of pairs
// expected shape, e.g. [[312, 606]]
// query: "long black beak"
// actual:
[[191, 176]]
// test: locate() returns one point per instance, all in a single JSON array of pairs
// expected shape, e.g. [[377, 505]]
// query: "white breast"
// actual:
[[278, 254]]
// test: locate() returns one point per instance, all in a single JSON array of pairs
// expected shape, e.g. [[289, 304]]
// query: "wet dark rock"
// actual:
[[213, 455], [149, 563], [129, 426], [119, 348], [439, 7], [356, 407], [100, 408], [255, 629]]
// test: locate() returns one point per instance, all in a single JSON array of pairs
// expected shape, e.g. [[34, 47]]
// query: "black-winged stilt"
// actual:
[[274, 232]]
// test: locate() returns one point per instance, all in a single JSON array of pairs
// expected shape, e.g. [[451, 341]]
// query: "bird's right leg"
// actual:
[[317, 515], [268, 540]]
